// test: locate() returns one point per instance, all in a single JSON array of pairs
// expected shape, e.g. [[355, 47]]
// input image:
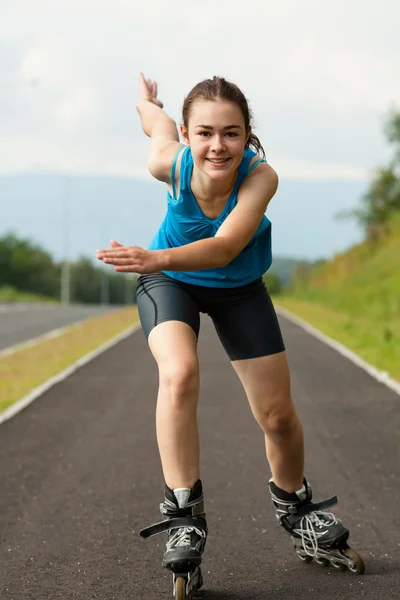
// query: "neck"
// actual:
[[209, 188]]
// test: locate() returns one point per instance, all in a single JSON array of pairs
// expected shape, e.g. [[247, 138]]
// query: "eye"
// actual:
[[232, 134], [204, 133]]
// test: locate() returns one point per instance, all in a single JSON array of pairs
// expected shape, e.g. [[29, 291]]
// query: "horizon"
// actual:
[[90, 210]]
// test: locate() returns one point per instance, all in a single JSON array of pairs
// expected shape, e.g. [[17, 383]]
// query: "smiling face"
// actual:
[[217, 137]]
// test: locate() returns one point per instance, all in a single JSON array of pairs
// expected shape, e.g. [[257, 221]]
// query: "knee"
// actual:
[[279, 420], [180, 380]]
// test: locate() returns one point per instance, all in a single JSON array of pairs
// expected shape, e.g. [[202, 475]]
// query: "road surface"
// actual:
[[22, 322], [80, 476]]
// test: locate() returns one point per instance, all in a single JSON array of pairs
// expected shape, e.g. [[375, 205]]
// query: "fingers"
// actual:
[[113, 259], [143, 80], [110, 251], [128, 269], [117, 260], [150, 85]]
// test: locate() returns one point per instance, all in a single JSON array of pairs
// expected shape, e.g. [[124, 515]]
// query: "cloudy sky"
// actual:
[[320, 78]]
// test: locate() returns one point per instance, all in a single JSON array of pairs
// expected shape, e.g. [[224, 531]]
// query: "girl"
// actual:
[[209, 255]]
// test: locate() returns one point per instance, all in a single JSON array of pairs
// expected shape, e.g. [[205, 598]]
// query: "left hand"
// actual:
[[130, 259]]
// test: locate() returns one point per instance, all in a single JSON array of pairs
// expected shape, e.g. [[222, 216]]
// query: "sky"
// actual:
[[320, 78]]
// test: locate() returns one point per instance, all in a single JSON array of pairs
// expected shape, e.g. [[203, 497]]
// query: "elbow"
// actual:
[[224, 251], [227, 255]]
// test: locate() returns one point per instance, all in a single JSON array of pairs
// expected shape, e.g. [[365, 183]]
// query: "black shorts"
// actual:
[[244, 317]]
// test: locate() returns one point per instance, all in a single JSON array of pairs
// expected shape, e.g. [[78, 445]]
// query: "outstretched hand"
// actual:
[[148, 91], [130, 259]]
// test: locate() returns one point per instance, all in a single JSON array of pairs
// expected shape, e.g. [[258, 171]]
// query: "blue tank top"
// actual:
[[185, 222]]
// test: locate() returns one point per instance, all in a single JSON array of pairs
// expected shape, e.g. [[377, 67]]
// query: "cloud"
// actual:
[[318, 81]]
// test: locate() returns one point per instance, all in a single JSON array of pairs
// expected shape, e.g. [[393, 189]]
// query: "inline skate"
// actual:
[[187, 533], [316, 535]]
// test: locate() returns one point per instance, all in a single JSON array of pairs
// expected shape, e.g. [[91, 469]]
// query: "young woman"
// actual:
[[209, 255]]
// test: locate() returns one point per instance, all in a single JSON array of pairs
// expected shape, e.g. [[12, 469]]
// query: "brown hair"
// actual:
[[218, 88]]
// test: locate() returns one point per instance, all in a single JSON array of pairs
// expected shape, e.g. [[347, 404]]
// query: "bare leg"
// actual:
[[174, 347], [266, 381]]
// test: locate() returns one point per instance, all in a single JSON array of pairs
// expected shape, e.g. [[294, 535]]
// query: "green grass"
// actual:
[[359, 334], [10, 294], [355, 299], [27, 368]]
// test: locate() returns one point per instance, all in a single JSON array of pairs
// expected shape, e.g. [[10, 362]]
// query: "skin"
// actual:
[[216, 130]]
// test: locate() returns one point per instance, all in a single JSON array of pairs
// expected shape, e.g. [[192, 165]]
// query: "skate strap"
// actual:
[[301, 511], [194, 508], [174, 523]]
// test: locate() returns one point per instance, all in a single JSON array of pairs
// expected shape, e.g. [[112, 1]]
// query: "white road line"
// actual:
[[34, 394], [20, 306], [45, 336], [381, 376]]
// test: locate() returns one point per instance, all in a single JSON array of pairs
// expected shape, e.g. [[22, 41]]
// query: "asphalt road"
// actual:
[[22, 322], [80, 476]]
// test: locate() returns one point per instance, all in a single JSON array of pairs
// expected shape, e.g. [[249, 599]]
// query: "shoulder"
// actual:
[[255, 168], [261, 182], [180, 163], [251, 161], [163, 154]]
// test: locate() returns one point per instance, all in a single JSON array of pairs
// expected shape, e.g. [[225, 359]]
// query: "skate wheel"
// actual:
[[322, 562], [305, 558], [200, 581], [180, 588], [357, 564], [338, 566]]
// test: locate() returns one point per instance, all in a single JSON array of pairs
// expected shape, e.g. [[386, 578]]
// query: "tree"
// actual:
[[85, 282], [273, 283], [27, 267], [392, 130], [383, 195], [381, 199]]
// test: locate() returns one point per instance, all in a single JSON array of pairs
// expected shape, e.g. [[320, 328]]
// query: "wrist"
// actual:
[[163, 259], [147, 107]]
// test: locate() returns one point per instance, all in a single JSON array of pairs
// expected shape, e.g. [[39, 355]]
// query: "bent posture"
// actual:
[[209, 255]]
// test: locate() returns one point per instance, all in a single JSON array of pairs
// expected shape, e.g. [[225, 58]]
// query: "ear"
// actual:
[[248, 136], [184, 134]]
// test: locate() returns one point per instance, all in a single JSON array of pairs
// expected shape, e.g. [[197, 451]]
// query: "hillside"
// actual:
[[355, 298], [283, 268], [364, 279], [83, 212]]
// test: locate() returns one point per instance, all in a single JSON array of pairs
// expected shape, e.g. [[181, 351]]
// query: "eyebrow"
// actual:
[[227, 127]]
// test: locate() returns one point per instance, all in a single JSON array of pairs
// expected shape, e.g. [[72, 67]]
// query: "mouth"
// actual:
[[218, 161]]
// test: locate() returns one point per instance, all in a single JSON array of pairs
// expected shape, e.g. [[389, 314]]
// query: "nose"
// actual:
[[218, 144]]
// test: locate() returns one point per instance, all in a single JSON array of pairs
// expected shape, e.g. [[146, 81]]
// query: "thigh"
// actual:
[[161, 298], [246, 322], [266, 381], [174, 348]]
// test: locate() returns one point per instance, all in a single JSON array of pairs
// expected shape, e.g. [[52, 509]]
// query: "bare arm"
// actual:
[[160, 127], [230, 239], [235, 232]]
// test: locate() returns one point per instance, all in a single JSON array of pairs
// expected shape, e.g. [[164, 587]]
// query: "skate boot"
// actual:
[[187, 533], [317, 535]]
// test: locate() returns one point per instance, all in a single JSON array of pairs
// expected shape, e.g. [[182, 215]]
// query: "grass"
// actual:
[[29, 367], [355, 298], [10, 294], [371, 339]]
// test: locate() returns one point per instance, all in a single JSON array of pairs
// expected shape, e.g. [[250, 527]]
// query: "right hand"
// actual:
[[148, 91]]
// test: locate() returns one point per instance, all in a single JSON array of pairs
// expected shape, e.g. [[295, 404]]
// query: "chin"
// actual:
[[219, 173]]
